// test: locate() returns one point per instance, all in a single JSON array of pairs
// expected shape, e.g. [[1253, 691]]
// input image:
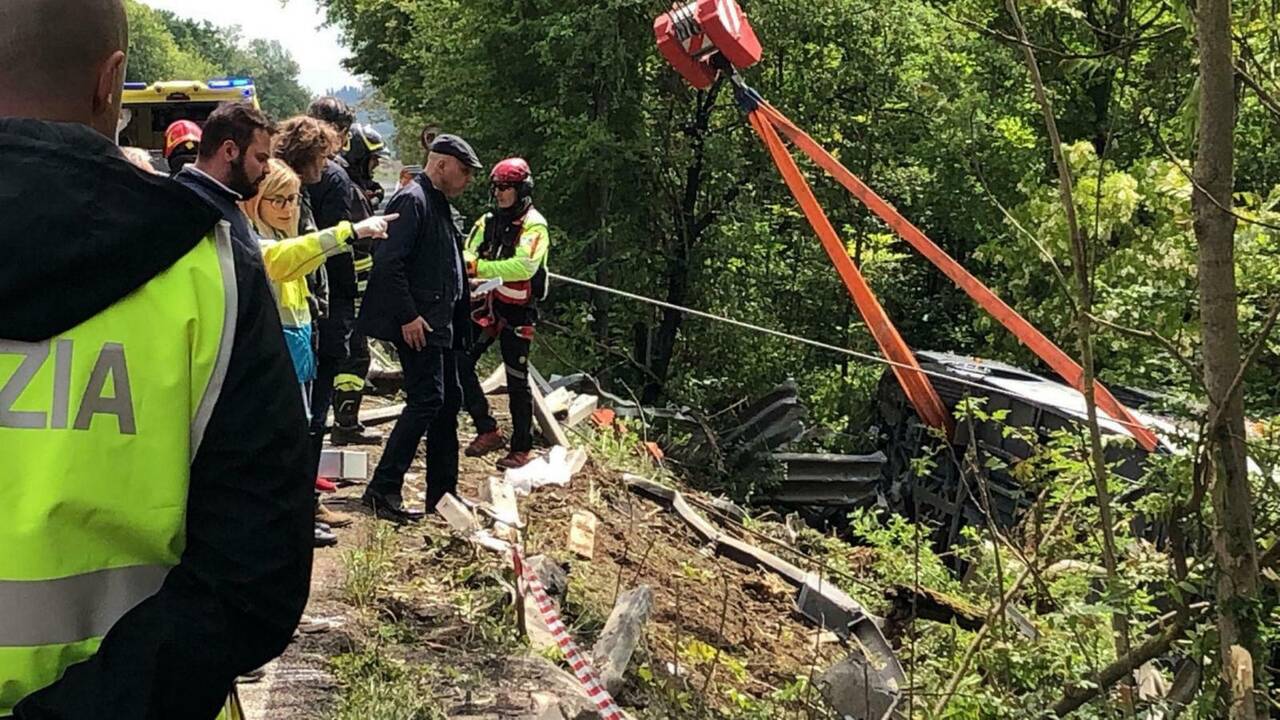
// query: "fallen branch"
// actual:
[[927, 604], [1077, 695]]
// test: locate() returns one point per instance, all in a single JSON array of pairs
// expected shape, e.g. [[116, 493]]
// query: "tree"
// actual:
[[637, 171], [654, 189], [275, 73], [219, 45], [153, 52], [272, 67], [1215, 226]]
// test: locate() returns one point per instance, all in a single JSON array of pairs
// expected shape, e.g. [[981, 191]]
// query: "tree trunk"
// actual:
[[1233, 540], [663, 348], [598, 251], [689, 226]]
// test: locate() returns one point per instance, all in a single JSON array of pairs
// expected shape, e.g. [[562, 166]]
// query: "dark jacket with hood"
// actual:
[[417, 270], [225, 200], [234, 599]]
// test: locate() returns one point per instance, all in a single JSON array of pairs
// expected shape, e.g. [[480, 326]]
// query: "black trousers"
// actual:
[[515, 357], [342, 351], [431, 412]]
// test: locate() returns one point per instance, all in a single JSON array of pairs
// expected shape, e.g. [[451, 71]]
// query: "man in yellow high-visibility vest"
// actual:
[[156, 540]]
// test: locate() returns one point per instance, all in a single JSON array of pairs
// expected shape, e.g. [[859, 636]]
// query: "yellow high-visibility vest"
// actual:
[[98, 430]]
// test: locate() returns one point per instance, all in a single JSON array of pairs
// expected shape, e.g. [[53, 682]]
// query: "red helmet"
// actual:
[[182, 135], [514, 171]]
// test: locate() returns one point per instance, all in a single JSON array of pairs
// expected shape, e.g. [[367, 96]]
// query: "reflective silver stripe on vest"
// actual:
[[71, 609], [513, 293], [227, 263]]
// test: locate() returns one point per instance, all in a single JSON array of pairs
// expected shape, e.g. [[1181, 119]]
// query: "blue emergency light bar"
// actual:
[[230, 83]]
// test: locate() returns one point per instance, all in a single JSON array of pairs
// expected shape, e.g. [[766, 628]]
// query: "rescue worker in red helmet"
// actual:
[[181, 144], [509, 243]]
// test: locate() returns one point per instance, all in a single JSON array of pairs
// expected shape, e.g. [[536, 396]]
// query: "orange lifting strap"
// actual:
[[915, 383]]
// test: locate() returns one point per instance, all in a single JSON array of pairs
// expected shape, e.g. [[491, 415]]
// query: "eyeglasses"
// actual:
[[280, 203], [505, 186]]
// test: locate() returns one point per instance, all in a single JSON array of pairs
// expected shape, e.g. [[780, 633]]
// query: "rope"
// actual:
[[986, 389]]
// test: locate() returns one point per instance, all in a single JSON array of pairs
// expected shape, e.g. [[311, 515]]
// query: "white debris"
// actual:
[[556, 467]]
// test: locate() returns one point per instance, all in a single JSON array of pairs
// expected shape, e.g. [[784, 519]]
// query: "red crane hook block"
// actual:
[[694, 38]]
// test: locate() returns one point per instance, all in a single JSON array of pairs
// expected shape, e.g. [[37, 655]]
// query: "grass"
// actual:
[[376, 687], [382, 680], [618, 449], [369, 565]]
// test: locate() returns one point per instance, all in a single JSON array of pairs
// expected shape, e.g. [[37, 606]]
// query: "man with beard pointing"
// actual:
[[234, 151]]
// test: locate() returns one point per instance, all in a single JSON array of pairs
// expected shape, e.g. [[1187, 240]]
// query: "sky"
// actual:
[[317, 51]]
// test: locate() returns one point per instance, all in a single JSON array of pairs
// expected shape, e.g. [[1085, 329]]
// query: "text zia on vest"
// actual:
[[56, 413]]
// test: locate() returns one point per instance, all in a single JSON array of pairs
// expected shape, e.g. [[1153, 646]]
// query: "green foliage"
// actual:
[[939, 119], [1139, 222], [653, 189], [795, 696], [905, 554], [705, 659], [164, 46], [619, 447], [154, 54], [275, 74]]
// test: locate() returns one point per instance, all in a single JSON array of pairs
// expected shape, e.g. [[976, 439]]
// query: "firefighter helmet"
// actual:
[[182, 136], [364, 143]]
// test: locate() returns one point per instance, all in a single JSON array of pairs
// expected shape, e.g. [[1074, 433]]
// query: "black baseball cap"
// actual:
[[456, 147]]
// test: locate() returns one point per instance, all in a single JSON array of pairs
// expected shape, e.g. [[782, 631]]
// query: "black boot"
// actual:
[[346, 420], [387, 506]]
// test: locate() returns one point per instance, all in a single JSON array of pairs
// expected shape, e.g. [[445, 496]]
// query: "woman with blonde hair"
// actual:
[[275, 213]]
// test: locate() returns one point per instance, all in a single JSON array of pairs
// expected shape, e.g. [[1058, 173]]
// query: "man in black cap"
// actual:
[[417, 288]]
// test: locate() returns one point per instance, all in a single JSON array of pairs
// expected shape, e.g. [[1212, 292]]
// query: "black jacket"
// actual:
[[417, 270], [225, 201], [335, 199], [234, 599]]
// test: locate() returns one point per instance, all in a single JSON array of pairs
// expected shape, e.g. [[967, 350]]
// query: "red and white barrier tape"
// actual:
[[580, 663]]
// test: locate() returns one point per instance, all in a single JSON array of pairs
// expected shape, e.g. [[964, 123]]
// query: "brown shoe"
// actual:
[[331, 518], [486, 443], [515, 460]]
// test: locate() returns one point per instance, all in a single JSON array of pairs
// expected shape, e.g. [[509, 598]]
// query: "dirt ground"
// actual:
[[716, 628]]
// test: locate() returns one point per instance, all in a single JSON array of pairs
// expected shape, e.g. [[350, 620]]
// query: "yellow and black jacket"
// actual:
[[153, 463]]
